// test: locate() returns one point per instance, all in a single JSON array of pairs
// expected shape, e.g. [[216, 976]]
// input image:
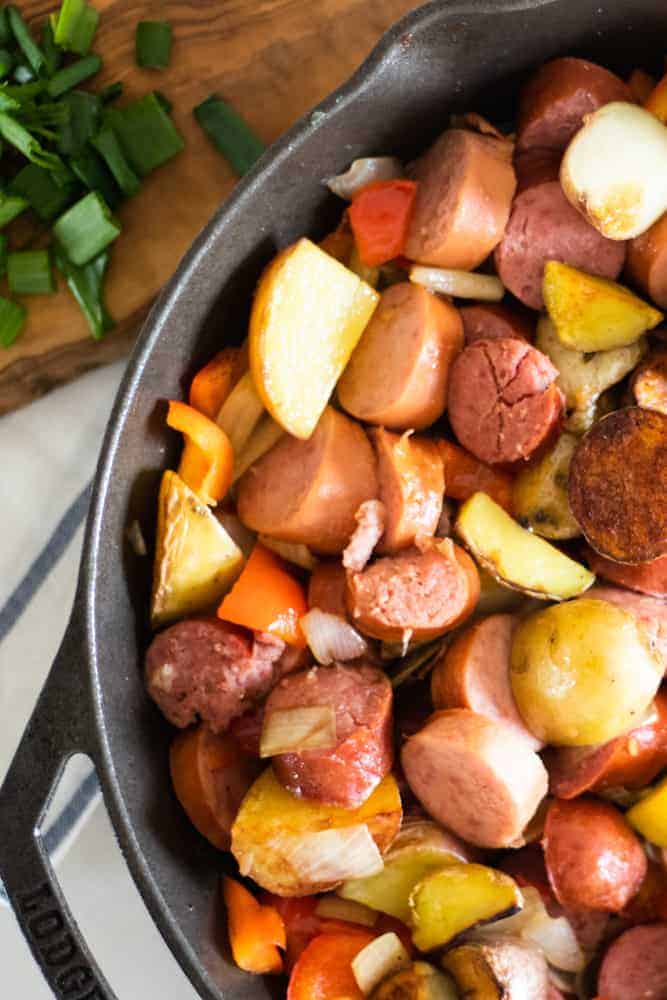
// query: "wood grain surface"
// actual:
[[273, 59]]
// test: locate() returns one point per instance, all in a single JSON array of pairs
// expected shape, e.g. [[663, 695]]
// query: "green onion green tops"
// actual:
[[86, 285], [146, 133], [86, 228], [12, 321], [10, 207], [153, 44], [29, 272], [231, 135], [73, 74], [37, 187]]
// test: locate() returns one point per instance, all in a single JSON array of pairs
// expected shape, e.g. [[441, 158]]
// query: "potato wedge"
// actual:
[[592, 313], [271, 823], [421, 982], [495, 596], [649, 815], [585, 376], [649, 382], [539, 493], [506, 969], [308, 315], [458, 898], [618, 484], [420, 848], [516, 557], [196, 561]]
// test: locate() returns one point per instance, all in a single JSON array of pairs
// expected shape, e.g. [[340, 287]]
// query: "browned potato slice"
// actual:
[[649, 383], [539, 493], [618, 485], [421, 982], [506, 969]]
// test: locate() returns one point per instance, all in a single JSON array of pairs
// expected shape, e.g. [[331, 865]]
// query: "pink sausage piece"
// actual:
[[646, 578], [493, 322], [326, 587], [635, 965]]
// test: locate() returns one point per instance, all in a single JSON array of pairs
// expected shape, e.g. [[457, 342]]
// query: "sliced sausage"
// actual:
[[488, 321], [649, 382], [503, 400], [651, 612], [475, 776], [554, 101], [474, 673], [590, 926], [362, 700], [326, 587], [647, 262], [398, 373], [211, 776], [646, 578], [629, 761], [204, 668], [309, 491], [544, 226], [371, 519], [465, 475], [465, 186], [246, 729], [635, 965], [526, 866], [418, 594], [594, 860], [411, 483]]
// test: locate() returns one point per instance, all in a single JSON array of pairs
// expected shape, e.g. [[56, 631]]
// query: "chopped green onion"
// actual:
[[230, 134], [53, 56], [29, 272], [153, 44], [18, 136], [82, 122], [107, 145], [92, 171], [26, 43], [6, 62], [147, 134], [47, 198], [73, 74], [24, 94], [86, 229], [10, 207], [84, 31], [5, 31], [23, 74], [164, 101], [3, 254], [7, 103], [12, 320], [69, 13], [111, 93], [85, 284]]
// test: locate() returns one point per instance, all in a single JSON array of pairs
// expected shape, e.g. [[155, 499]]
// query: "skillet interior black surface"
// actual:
[[445, 57]]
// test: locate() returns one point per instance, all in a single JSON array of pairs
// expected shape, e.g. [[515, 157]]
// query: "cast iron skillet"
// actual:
[[442, 57]]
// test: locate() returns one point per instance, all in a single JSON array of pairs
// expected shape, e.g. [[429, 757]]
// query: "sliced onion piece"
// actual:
[[362, 172], [383, 957], [265, 435], [330, 856], [459, 284], [334, 908], [300, 555], [240, 412], [288, 730], [331, 638]]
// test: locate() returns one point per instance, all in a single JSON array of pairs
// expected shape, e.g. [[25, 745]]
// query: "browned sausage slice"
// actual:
[[309, 491], [418, 594], [646, 578], [554, 101], [651, 612], [503, 400], [371, 519], [412, 485], [397, 375], [474, 673], [635, 965], [208, 669], [475, 776], [326, 588], [647, 261], [346, 774], [493, 322], [465, 186]]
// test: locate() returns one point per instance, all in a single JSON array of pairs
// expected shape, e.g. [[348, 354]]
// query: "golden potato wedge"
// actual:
[[516, 557], [458, 898], [421, 982], [592, 313], [495, 596], [539, 493], [196, 561], [506, 969], [583, 672], [649, 382], [618, 484], [649, 815], [420, 848], [272, 827], [308, 315], [585, 376]]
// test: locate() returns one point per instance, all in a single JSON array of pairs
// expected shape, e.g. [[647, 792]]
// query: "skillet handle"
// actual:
[[59, 726]]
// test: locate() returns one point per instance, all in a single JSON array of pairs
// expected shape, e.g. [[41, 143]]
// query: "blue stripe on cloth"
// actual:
[[63, 534]]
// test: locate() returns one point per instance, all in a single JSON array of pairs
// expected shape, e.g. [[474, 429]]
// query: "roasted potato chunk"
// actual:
[[421, 982], [505, 969], [539, 493], [458, 898], [649, 382], [583, 672], [618, 484], [649, 815]]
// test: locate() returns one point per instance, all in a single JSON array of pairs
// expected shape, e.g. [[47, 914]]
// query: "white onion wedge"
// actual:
[[240, 412], [289, 730], [362, 172], [293, 552], [459, 284], [615, 170], [266, 433], [329, 856], [332, 907], [331, 638], [383, 957]]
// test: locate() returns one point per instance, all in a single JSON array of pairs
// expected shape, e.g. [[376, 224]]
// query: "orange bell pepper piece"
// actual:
[[214, 382], [266, 597], [207, 462], [380, 216], [640, 85], [324, 970], [465, 475], [255, 931], [656, 102]]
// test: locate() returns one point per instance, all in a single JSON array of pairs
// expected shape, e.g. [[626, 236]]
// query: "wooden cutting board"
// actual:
[[272, 59]]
